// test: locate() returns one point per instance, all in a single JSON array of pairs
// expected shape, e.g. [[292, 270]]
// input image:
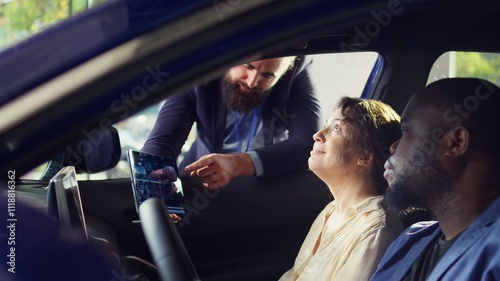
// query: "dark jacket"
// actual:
[[291, 113], [475, 255]]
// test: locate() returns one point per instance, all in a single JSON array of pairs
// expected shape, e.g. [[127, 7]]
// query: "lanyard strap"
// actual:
[[250, 133]]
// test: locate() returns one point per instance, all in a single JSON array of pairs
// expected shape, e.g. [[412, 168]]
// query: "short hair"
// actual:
[[292, 60], [472, 103], [378, 127], [289, 64]]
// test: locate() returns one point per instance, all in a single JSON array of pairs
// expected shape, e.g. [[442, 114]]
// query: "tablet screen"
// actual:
[[156, 176]]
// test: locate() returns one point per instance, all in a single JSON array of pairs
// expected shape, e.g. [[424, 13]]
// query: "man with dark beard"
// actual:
[[255, 120], [447, 162]]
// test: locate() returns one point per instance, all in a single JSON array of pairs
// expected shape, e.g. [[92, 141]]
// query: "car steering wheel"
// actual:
[[165, 243]]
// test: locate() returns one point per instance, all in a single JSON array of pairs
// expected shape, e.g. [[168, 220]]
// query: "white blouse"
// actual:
[[350, 250]]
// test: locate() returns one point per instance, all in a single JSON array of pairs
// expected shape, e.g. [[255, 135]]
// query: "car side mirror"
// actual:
[[96, 152]]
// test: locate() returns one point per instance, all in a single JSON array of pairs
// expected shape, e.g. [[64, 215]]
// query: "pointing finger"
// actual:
[[200, 163]]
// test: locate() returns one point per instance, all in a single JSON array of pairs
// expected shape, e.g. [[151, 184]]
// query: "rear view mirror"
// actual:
[[102, 152], [93, 154]]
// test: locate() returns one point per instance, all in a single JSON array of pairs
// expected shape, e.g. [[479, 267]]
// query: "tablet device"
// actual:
[[156, 176]]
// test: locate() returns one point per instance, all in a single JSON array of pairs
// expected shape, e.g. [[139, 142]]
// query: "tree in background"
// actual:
[[20, 19], [478, 65]]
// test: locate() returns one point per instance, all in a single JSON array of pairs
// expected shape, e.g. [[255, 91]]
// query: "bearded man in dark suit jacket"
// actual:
[[257, 119]]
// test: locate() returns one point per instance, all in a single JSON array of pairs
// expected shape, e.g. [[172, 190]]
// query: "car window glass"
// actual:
[[467, 64], [334, 75]]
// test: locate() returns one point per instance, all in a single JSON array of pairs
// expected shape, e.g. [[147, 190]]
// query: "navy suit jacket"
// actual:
[[475, 255], [291, 115]]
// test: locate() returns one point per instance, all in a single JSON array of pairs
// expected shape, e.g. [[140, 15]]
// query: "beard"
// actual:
[[238, 100], [422, 184]]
